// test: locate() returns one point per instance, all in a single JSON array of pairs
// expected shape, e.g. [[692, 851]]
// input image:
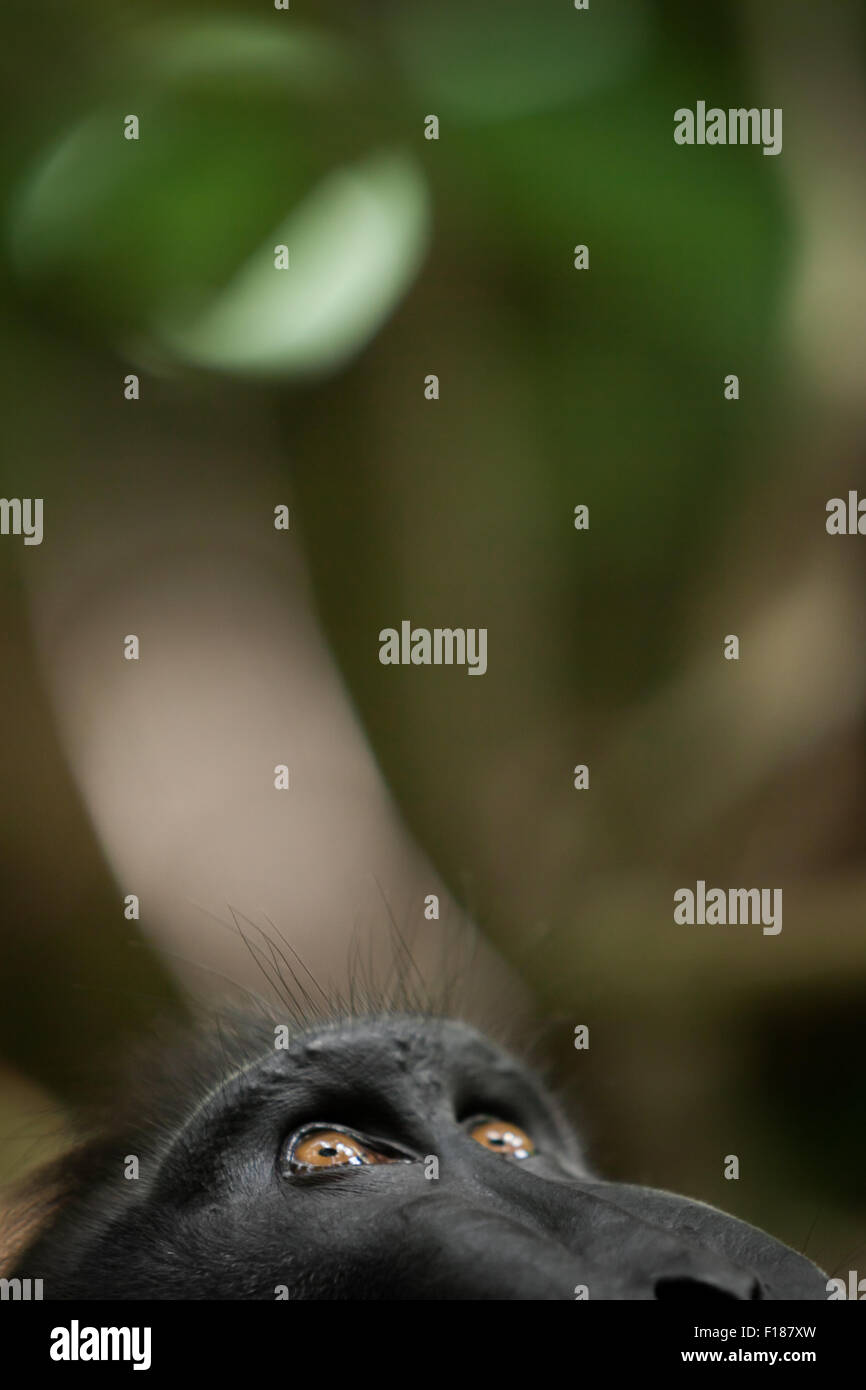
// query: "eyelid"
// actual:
[[386, 1151]]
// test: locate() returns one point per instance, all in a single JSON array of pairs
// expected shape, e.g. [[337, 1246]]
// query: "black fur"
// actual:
[[213, 1215]]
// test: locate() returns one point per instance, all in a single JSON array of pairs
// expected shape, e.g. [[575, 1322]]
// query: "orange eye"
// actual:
[[322, 1147], [502, 1137]]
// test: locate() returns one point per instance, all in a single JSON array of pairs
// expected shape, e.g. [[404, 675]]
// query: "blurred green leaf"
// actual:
[[497, 59], [355, 244]]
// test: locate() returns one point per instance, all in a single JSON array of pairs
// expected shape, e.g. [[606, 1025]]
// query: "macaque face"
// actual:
[[393, 1157]]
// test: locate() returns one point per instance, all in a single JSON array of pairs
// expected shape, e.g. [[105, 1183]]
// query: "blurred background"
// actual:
[[305, 388]]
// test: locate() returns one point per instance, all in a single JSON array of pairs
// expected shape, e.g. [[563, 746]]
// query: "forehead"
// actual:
[[391, 1063], [428, 1051]]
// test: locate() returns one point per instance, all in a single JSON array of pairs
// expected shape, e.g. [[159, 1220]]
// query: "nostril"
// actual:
[[704, 1289]]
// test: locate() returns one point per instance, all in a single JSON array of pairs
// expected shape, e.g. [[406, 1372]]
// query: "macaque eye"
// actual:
[[502, 1137], [324, 1146]]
